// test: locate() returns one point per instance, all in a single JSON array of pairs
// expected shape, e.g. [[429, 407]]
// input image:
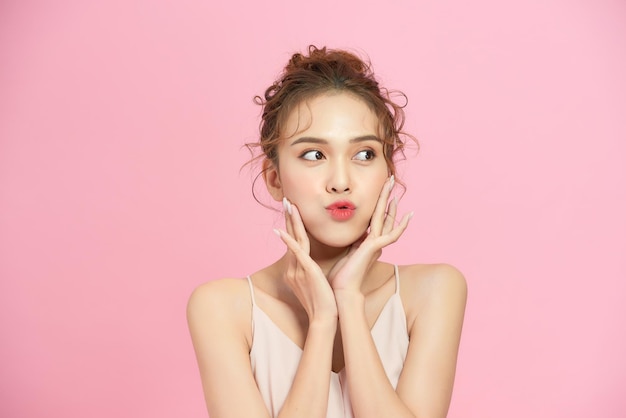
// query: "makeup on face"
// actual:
[[341, 210], [332, 167]]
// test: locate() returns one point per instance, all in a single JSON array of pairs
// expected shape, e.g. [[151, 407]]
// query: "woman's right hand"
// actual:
[[303, 275]]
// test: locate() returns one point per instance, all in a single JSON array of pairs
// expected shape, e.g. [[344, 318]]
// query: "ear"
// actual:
[[272, 180]]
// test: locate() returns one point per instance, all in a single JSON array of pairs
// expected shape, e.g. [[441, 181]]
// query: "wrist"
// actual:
[[349, 299], [323, 324]]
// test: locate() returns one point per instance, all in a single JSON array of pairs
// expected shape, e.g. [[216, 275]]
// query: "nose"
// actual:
[[338, 179]]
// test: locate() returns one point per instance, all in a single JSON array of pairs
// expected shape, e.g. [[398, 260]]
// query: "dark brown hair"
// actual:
[[323, 71]]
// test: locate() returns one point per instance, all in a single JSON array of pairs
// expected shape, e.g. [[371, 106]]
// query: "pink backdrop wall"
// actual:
[[121, 124]]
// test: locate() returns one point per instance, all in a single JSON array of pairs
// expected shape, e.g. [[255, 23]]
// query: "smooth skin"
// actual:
[[328, 289]]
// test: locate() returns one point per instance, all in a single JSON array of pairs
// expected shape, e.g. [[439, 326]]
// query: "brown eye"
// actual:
[[365, 155], [313, 155]]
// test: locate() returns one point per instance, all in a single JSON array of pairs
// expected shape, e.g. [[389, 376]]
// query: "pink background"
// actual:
[[121, 125]]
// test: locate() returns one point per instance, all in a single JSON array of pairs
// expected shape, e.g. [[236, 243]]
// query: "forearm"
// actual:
[[308, 396], [371, 393]]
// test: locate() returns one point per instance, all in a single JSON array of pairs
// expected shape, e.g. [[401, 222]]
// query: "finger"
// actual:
[[356, 245], [288, 218], [376, 224], [301, 254], [396, 232], [292, 266], [299, 229], [390, 218]]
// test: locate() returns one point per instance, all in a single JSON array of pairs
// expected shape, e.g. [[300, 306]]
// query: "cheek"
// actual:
[[374, 188], [297, 180], [378, 177], [299, 190]]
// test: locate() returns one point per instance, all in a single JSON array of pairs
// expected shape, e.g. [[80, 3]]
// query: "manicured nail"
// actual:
[[286, 205], [392, 181], [276, 231], [411, 215]]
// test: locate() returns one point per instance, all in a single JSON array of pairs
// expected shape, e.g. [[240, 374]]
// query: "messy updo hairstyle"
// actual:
[[328, 71]]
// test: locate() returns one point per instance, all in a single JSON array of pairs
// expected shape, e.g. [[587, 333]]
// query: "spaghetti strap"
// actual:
[[395, 268], [251, 290], [275, 357]]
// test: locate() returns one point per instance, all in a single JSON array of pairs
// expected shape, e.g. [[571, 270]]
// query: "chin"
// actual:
[[337, 238]]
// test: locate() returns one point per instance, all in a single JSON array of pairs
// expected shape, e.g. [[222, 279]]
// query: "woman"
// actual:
[[328, 330]]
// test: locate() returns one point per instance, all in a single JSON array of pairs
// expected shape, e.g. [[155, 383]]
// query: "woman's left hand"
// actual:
[[348, 273]]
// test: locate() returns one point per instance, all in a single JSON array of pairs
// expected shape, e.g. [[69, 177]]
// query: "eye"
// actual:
[[313, 155], [365, 155]]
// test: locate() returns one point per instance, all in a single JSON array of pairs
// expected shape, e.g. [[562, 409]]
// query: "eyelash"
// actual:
[[305, 153], [369, 152], [319, 153]]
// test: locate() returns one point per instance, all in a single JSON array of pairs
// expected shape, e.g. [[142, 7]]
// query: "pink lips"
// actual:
[[341, 210]]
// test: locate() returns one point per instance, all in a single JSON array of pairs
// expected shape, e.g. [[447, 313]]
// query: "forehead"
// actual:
[[331, 114]]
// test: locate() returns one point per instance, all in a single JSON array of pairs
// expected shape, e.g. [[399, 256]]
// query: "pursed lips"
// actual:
[[341, 210]]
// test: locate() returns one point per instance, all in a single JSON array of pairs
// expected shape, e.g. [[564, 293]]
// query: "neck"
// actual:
[[327, 257]]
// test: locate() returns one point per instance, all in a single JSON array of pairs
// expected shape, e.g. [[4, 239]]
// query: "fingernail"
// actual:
[[392, 181], [411, 215], [276, 231], [289, 208], [285, 204]]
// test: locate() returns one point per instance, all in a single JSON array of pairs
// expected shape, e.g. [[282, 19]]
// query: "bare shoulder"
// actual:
[[433, 297], [220, 302], [219, 318], [218, 292], [425, 285], [429, 278]]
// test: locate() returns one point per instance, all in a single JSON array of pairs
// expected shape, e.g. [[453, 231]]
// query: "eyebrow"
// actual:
[[313, 140]]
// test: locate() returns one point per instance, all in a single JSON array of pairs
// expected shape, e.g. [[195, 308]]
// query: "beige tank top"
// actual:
[[275, 357]]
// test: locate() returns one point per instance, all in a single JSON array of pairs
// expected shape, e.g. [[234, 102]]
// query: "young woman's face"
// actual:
[[331, 166]]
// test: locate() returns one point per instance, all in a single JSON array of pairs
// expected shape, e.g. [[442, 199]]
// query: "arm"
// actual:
[[215, 319], [308, 396], [371, 393], [217, 314], [436, 302], [425, 385], [427, 378]]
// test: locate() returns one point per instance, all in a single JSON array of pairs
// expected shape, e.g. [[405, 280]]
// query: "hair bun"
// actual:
[[323, 70]]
